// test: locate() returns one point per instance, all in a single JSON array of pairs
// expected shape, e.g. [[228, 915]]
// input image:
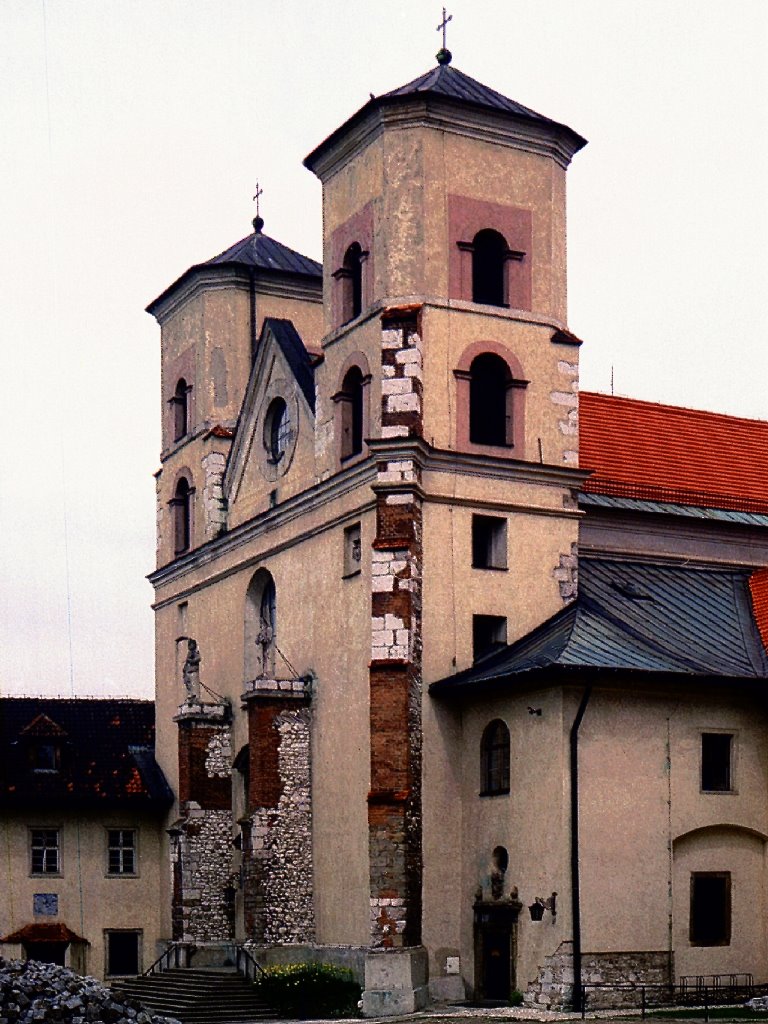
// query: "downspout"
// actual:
[[578, 995]]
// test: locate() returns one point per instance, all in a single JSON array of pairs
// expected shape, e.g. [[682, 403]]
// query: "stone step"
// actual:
[[198, 995]]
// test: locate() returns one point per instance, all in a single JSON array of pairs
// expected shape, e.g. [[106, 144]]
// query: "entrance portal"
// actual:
[[495, 949], [46, 952]]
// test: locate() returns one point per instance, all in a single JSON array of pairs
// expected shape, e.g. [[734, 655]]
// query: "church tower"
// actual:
[[446, 341]]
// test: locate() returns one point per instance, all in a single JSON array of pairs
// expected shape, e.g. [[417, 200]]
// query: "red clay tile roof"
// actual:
[[758, 586], [53, 932], [42, 725], [667, 453]]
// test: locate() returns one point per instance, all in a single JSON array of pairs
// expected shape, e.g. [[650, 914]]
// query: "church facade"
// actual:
[[459, 673]]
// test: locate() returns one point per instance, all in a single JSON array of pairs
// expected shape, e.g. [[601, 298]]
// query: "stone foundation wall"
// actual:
[[553, 987], [206, 883]]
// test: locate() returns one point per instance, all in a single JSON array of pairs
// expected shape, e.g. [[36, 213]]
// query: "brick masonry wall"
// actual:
[[277, 839], [394, 802]]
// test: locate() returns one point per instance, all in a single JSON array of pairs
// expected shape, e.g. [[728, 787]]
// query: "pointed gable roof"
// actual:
[[43, 726]]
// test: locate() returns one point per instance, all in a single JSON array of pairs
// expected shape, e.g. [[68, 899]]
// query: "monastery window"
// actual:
[[181, 504], [349, 278], [122, 949], [489, 542], [489, 634], [260, 626], [180, 408], [716, 762], [494, 760], [45, 852], [278, 432], [351, 405], [121, 851], [352, 550], [489, 259], [710, 921], [490, 401]]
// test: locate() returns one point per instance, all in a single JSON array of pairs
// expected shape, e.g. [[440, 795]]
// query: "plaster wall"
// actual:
[[89, 900]]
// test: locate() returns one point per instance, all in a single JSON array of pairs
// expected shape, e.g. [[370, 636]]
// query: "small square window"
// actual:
[[121, 851], [44, 850], [45, 757], [716, 762], [489, 542], [489, 633], [353, 552], [710, 923]]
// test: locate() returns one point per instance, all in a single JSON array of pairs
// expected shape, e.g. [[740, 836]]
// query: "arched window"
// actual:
[[490, 401], [181, 503], [351, 398], [489, 255], [352, 278], [180, 406], [494, 759], [277, 430], [260, 626]]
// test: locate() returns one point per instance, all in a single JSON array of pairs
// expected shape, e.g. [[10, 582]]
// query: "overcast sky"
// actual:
[[132, 135]]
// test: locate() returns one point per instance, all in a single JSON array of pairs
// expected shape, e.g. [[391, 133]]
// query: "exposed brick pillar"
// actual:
[[394, 802], [277, 838], [202, 839]]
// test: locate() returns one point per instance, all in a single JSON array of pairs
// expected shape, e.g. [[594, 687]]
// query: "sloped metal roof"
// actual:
[[720, 515], [636, 617], [265, 253], [292, 347]]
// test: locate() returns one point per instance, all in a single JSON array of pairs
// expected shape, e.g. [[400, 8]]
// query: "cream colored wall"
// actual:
[[306, 316], [637, 752], [89, 899], [315, 608]]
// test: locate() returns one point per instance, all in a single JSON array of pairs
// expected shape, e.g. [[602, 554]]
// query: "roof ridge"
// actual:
[[672, 408]]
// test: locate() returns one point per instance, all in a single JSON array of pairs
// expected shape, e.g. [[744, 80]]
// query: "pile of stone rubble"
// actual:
[[31, 991]]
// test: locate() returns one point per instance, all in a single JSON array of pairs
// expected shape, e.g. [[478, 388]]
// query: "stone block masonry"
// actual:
[[214, 502]]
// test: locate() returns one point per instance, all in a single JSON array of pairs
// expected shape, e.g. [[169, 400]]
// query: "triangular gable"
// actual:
[[281, 363], [44, 727]]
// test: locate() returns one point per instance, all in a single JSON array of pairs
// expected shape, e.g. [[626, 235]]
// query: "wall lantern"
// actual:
[[540, 904]]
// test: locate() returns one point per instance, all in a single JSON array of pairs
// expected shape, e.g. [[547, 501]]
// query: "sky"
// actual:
[[132, 134]]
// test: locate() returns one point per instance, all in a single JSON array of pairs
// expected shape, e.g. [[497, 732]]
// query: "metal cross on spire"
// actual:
[[444, 54], [258, 222]]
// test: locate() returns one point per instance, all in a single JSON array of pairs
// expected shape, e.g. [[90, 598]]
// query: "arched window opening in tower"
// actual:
[[494, 759], [182, 516], [277, 429], [489, 252], [351, 398], [180, 406], [490, 401], [352, 279]]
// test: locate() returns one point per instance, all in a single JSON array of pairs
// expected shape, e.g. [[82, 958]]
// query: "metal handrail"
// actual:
[[711, 990], [163, 962], [246, 964]]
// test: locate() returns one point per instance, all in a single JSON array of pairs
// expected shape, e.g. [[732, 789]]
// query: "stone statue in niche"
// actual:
[[264, 644], [191, 671]]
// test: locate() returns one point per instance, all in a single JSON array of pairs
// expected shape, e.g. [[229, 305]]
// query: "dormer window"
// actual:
[[45, 757], [180, 408]]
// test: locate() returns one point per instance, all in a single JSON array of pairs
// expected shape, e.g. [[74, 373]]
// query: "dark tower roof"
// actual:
[[450, 85], [254, 252]]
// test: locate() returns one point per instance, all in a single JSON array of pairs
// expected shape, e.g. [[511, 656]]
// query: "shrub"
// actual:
[[309, 990], [516, 998]]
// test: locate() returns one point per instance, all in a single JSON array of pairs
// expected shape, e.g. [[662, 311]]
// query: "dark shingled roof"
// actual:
[[635, 617], [265, 253], [299, 360], [106, 754], [448, 83]]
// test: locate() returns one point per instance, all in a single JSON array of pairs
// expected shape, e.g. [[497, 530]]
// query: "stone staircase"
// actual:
[[214, 995]]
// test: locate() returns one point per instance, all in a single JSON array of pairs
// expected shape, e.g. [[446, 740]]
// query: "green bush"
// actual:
[[309, 990], [516, 998]]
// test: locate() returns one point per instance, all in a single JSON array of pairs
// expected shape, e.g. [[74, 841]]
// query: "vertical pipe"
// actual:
[[578, 996]]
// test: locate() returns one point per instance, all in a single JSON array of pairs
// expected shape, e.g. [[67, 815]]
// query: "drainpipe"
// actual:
[[578, 995]]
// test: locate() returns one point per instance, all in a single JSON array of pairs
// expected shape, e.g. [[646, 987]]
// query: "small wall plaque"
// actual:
[[46, 904]]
